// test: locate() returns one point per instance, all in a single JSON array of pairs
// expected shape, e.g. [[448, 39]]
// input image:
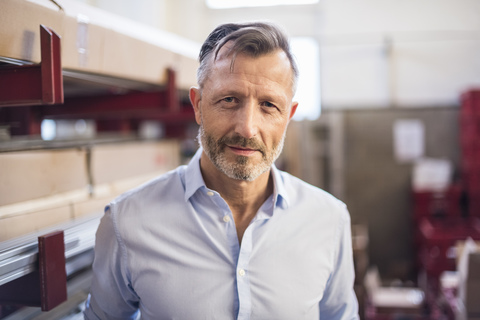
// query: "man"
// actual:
[[229, 236]]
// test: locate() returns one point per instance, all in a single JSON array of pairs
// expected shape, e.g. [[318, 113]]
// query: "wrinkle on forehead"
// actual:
[[225, 62]]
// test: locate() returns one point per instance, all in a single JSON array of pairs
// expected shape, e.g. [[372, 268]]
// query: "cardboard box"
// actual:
[[128, 57], [28, 175], [96, 41], [90, 206], [81, 43], [16, 226], [110, 163], [20, 27], [105, 193]]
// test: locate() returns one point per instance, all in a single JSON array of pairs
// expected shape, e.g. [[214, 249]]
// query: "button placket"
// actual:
[[240, 254], [221, 204], [243, 280]]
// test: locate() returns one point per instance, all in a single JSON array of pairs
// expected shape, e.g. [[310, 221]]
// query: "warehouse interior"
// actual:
[[389, 122]]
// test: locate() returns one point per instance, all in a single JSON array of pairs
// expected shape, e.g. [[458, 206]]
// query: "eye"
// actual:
[[229, 99], [268, 104]]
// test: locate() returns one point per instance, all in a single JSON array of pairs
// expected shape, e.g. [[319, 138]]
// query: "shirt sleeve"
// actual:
[[339, 300], [111, 296]]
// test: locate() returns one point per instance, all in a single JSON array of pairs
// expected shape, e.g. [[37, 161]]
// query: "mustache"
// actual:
[[243, 142]]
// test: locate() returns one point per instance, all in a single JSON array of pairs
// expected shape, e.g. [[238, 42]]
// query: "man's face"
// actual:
[[243, 114]]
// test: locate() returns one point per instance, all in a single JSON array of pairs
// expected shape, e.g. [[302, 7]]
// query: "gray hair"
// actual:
[[252, 38]]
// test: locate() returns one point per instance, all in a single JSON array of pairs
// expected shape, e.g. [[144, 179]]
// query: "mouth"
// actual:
[[241, 151]]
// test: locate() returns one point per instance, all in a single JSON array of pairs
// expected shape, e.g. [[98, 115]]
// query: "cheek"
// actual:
[[276, 128], [214, 125], [272, 135]]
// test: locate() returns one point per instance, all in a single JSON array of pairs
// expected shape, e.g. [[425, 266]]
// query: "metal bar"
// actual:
[[20, 85], [28, 85], [22, 120], [120, 112], [51, 66], [16, 274], [51, 267], [17, 250], [19, 257], [172, 100], [18, 262], [139, 105], [107, 106], [46, 286]]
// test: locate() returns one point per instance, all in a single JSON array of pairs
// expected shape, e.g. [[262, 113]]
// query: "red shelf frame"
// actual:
[[46, 287], [36, 84], [32, 93]]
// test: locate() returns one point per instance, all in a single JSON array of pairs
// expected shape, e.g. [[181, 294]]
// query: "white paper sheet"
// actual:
[[409, 140]]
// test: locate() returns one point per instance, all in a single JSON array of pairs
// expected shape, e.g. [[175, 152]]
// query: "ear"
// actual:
[[293, 110], [195, 98]]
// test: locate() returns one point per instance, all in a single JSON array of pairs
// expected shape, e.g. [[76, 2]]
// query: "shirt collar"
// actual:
[[194, 181], [193, 175], [280, 195]]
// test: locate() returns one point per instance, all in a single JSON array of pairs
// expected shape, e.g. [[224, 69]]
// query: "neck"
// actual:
[[243, 197]]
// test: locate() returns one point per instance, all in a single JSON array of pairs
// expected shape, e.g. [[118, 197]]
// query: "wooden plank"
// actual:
[[97, 41], [121, 161], [35, 174], [16, 226]]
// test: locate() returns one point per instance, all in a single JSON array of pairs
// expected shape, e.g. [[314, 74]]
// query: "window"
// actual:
[[307, 54]]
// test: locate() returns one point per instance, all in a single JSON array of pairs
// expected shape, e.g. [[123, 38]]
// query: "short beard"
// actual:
[[242, 168]]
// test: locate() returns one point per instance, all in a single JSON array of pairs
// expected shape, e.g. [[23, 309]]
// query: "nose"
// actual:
[[247, 119]]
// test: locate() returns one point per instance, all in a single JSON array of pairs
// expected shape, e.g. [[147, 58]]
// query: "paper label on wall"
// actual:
[[409, 140]]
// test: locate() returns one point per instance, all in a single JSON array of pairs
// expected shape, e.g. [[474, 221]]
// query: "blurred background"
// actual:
[[388, 121]]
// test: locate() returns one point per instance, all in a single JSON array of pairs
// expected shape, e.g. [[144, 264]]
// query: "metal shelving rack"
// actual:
[[19, 260], [30, 93]]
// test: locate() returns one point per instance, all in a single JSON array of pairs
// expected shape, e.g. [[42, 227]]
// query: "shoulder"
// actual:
[[161, 187], [298, 189], [313, 199]]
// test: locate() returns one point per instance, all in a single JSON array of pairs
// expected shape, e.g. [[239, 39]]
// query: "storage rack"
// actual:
[[19, 260], [30, 93]]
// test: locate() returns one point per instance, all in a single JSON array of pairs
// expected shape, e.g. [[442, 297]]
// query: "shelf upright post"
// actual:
[[45, 287], [35, 84], [51, 66], [172, 99]]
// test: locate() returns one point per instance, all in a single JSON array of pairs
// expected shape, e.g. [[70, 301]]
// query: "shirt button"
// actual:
[[210, 193], [241, 272], [226, 218]]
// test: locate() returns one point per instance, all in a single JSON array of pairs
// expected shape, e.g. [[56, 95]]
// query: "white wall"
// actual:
[[401, 53], [374, 53], [150, 12]]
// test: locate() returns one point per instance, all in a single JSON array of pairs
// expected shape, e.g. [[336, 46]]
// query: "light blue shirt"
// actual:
[[169, 249]]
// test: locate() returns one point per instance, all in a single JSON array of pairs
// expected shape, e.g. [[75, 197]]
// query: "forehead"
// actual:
[[268, 69]]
